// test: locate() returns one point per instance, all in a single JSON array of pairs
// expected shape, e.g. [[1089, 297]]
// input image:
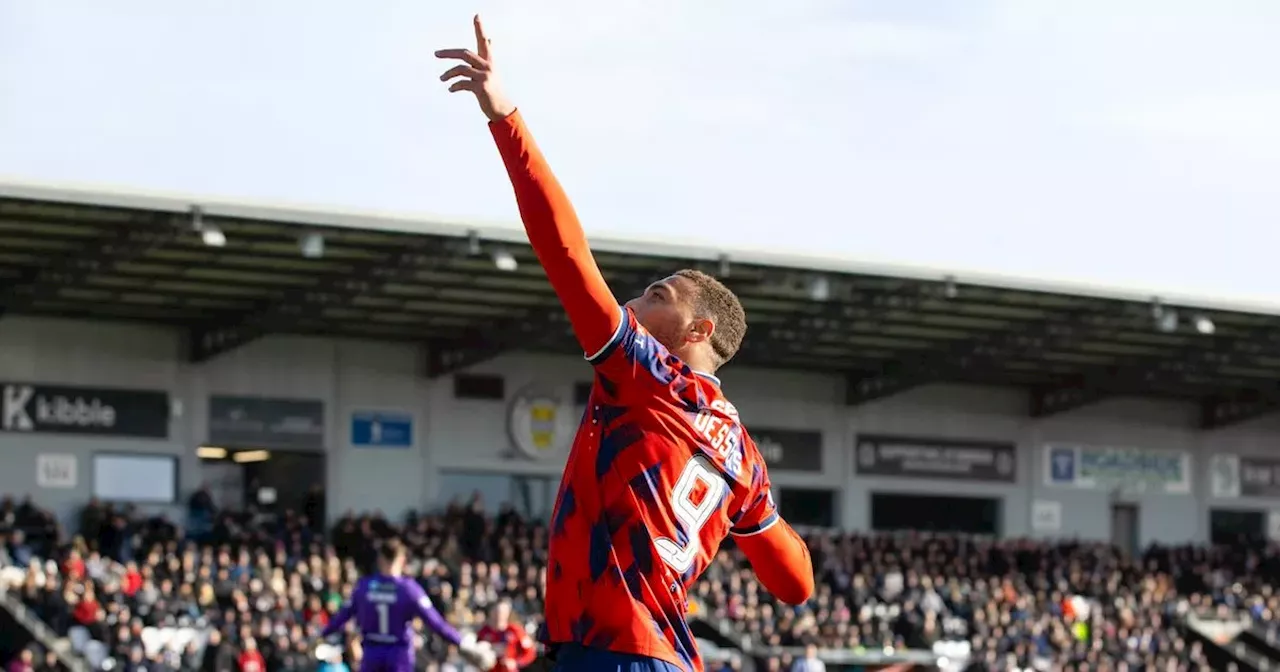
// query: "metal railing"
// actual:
[[42, 633]]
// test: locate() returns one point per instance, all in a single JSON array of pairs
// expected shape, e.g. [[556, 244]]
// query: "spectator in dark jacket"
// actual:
[[19, 551], [219, 655]]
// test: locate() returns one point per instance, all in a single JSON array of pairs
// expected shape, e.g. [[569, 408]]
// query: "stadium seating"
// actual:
[[253, 582]]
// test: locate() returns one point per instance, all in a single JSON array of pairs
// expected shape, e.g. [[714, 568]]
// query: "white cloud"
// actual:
[[961, 134], [1240, 120], [875, 39]]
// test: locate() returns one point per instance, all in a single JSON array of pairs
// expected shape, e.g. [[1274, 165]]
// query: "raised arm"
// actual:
[[549, 219], [557, 236]]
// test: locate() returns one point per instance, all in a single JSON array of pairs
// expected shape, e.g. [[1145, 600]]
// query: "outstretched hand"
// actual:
[[479, 654], [475, 74]]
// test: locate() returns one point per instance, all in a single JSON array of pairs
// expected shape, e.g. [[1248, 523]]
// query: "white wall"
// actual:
[[471, 436], [345, 375], [943, 412], [76, 353], [1000, 414], [455, 436], [1259, 437]]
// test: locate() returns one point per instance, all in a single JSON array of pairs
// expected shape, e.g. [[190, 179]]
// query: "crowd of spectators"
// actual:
[[1018, 604], [252, 592]]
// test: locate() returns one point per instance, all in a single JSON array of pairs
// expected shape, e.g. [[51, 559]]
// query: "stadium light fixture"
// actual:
[[725, 268], [211, 453], [504, 260], [311, 245], [244, 457], [213, 236], [949, 287], [1205, 325], [1165, 318], [209, 233], [820, 288], [473, 243]]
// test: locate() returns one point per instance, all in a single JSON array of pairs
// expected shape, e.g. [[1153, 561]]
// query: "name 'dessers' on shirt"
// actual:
[[719, 426]]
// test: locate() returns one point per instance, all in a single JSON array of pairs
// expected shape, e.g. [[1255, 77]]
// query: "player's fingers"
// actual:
[[482, 41], [462, 85], [465, 55], [461, 71]]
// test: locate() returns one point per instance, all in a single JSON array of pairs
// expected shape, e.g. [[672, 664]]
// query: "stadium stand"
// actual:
[[102, 256], [254, 592], [248, 591]]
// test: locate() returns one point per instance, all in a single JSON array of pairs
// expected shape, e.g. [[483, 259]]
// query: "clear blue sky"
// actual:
[[1127, 143]]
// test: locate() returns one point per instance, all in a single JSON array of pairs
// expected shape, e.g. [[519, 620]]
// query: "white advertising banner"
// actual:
[[1132, 470], [56, 471], [1046, 516]]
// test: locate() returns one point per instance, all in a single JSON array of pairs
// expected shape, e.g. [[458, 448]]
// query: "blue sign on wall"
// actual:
[[381, 429], [1062, 465]]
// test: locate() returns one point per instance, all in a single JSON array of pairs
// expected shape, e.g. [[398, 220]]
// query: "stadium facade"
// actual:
[[359, 420], [330, 364], [393, 365]]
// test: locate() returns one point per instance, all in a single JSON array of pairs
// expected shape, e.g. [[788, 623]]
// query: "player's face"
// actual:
[[666, 311]]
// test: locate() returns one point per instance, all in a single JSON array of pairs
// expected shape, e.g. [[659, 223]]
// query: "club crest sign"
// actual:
[[541, 422]]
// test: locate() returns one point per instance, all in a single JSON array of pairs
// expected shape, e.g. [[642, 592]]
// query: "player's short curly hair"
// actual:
[[721, 305]]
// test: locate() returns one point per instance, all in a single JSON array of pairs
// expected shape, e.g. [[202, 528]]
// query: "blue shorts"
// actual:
[[578, 658]]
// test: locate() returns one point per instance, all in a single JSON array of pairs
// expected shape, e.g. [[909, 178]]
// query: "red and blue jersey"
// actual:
[[661, 470]]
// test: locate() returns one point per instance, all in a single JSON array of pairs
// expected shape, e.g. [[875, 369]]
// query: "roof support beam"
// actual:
[[423, 287], [446, 357], [902, 375], [533, 329], [1217, 412], [1201, 359], [128, 242], [1048, 401], [796, 330], [1096, 385], [1056, 330], [866, 387], [805, 326], [530, 331], [333, 291]]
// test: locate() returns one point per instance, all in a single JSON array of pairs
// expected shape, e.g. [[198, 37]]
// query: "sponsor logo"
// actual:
[[939, 458], [789, 449], [262, 422], [770, 450], [1131, 470], [541, 422], [25, 409]]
